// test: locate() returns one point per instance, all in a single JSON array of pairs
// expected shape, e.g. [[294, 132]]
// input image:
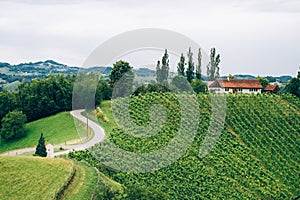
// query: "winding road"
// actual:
[[99, 136]]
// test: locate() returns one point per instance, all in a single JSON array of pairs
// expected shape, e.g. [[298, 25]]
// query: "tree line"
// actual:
[[44, 97]]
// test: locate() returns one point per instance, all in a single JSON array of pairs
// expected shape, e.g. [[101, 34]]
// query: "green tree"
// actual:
[[180, 66], [198, 68], [7, 103], [119, 69], [13, 125], [263, 81], [122, 72], [162, 70], [190, 67], [198, 86], [41, 148], [213, 65], [293, 86]]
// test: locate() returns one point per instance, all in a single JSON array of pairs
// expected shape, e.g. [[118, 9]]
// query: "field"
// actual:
[[57, 129], [33, 177], [256, 156]]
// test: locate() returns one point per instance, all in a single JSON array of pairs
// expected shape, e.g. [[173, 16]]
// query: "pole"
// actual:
[[87, 125]]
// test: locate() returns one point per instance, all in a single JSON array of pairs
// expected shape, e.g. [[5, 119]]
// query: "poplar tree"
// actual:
[[213, 66], [162, 70], [198, 68], [190, 68], [180, 66]]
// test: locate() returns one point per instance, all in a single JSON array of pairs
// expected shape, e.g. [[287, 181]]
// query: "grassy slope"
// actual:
[[33, 177], [56, 129], [83, 184], [256, 156]]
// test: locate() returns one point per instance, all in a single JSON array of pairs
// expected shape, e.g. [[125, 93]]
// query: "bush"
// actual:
[[13, 125]]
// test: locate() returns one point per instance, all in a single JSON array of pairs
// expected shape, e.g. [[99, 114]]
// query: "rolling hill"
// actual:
[[256, 156]]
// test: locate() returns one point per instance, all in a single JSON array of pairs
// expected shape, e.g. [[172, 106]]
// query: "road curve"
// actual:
[[99, 136]]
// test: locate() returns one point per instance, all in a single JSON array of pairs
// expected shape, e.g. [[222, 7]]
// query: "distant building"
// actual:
[[50, 150], [235, 86], [274, 89]]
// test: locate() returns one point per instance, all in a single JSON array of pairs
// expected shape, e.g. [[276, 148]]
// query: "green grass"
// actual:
[[83, 184], [33, 177], [57, 129], [106, 108]]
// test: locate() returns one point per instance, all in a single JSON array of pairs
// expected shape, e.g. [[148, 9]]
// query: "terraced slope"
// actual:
[[256, 157]]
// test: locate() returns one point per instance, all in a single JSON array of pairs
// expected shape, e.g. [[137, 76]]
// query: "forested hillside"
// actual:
[[256, 156]]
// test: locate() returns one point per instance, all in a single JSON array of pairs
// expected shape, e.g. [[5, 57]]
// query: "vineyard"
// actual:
[[255, 157]]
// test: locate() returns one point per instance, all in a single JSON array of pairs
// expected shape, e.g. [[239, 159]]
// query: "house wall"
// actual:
[[50, 150], [222, 90]]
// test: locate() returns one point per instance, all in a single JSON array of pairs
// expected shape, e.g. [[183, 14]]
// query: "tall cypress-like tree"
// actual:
[[162, 71], [41, 148], [198, 68], [190, 68], [180, 66], [213, 65]]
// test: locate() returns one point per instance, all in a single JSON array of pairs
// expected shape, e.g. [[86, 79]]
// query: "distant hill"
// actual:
[[281, 79], [28, 71]]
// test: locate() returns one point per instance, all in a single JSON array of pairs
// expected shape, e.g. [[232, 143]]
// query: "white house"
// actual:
[[50, 150], [235, 86]]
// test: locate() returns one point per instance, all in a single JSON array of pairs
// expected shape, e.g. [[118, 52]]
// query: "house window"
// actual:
[[253, 89], [226, 89], [240, 89]]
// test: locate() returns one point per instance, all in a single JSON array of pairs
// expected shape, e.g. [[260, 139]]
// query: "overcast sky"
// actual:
[[259, 37]]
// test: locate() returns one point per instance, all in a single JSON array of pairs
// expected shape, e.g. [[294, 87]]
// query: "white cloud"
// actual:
[[257, 38]]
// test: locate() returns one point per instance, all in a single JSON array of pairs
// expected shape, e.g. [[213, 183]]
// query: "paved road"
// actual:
[[99, 135]]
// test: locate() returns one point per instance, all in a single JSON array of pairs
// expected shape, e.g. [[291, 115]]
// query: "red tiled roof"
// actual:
[[237, 83], [270, 87]]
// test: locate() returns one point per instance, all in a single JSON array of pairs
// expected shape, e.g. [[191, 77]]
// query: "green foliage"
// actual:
[[41, 148], [180, 65], [7, 103], [45, 97], [256, 157], [263, 81], [13, 125], [162, 70], [87, 86], [293, 86], [199, 86], [120, 68], [213, 65], [198, 68], [57, 129], [122, 73], [181, 84], [190, 67], [143, 193]]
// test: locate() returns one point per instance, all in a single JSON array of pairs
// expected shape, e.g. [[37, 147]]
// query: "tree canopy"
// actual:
[[190, 67], [41, 148], [213, 65], [13, 125], [293, 86], [162, 69]]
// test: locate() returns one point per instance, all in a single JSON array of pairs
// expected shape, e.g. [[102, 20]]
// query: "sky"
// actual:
[[258, 37]]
